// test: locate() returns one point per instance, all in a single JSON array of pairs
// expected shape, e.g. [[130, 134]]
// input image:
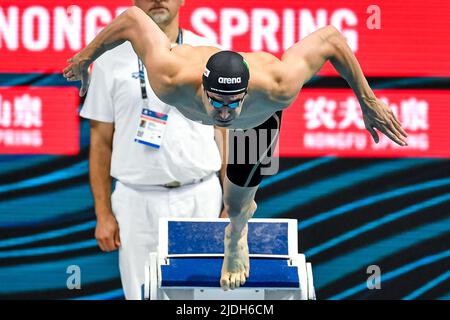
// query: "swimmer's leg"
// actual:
[[240, 206], [239, 188]]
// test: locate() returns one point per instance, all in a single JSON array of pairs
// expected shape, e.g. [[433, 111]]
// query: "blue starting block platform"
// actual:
[[190, 254]]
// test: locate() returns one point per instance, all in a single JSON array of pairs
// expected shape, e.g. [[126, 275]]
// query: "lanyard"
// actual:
[[141, 67]]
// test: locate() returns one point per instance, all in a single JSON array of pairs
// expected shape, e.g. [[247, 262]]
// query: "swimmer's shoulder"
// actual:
[[261, 65], [266, 74], [193, 57], [187, 80], [195, 54], [193, 61], [259, 58]]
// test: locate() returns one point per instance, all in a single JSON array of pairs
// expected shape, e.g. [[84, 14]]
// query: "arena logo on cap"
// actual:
[[229, 80]]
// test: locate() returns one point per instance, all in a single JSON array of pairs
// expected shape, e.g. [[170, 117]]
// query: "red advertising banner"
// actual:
[[40, 35], [391, 38], [37, 120], [329, 122]]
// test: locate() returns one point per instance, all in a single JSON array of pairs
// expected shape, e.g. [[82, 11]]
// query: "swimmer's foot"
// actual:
[[236, 264]]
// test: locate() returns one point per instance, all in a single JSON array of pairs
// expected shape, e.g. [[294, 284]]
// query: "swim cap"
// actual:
[[226, 73]]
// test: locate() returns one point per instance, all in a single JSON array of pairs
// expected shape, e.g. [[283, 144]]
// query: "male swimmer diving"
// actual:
[[234, 90]]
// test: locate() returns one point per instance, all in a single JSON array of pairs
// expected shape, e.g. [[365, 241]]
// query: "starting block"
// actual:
[[190, 254]]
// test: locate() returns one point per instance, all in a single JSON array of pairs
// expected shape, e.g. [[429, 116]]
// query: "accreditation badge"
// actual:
[[152, 126]]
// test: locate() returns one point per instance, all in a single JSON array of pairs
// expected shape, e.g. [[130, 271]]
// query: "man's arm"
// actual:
[[221, 138], [150, 43], [303, 60], [107, 230]]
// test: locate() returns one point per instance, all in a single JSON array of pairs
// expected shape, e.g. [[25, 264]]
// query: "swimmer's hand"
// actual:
[[377, 114], [78, 69]]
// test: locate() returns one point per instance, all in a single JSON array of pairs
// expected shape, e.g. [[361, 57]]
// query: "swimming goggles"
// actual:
[[220, 104]]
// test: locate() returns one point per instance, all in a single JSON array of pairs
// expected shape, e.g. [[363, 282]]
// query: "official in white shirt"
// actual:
[[163, 167]]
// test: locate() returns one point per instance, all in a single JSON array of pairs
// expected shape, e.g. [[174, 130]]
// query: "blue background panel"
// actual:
[[207, 238]]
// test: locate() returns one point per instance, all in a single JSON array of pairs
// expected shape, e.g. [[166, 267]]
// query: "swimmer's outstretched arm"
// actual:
[[150, 43], [304, 59]]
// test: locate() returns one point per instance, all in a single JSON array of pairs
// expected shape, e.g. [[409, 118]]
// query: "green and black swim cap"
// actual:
[[226, 73]]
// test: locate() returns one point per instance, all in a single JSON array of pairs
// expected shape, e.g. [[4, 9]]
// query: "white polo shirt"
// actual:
[[188, 150]]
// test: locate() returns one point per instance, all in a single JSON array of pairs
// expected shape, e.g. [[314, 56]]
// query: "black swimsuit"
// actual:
[[245, 170]]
